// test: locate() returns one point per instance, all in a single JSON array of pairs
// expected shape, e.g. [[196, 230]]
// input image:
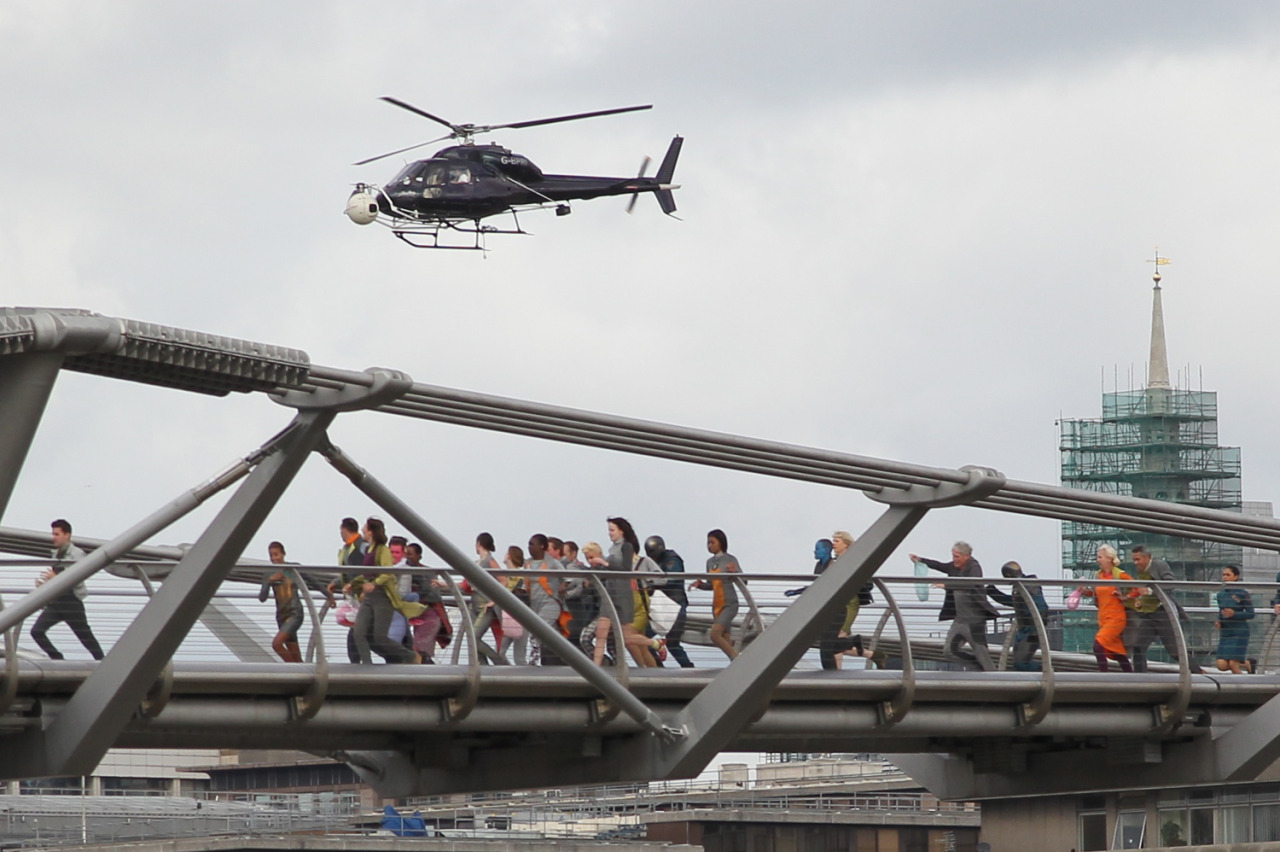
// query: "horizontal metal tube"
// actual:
[[824, 473]]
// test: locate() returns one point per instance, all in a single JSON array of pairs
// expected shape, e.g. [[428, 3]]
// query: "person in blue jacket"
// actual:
[[1235, 609]]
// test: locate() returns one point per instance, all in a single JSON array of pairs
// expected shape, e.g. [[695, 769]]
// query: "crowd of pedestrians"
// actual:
[[640, 608]]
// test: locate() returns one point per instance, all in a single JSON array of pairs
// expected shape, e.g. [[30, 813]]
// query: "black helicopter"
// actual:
[[466, 183]]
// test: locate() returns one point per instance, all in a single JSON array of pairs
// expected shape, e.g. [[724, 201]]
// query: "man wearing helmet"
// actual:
[[671, 563]]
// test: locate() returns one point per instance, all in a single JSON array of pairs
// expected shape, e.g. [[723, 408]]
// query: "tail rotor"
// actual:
[[644, 167]]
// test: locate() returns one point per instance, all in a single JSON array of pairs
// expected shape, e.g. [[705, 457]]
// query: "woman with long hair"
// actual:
[[622, 557], [513, 632], [380, 602]]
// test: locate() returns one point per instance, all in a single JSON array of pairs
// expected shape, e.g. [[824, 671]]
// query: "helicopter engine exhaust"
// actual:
[[362, 207]]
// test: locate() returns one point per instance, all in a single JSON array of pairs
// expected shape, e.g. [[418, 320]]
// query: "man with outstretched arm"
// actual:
[[966, 607], [68, 607]]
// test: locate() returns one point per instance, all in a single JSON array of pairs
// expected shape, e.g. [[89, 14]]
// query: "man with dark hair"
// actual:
[[67, 607], [546, 595], [353, 546], [1147, 616], [351, 553], [579, 596], [396, 544], [671, 563], [288, 607], [1026, 640], [427, 628]]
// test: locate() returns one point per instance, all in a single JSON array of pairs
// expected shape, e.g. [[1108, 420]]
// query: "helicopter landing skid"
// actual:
[[427, 235]]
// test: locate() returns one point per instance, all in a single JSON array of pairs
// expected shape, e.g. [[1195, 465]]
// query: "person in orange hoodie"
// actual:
[[1109, 642]]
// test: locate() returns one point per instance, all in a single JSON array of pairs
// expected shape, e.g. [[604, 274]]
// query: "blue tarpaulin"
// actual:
[[403, 826]]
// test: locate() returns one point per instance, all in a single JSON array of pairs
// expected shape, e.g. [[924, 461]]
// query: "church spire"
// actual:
[[1158, 375]]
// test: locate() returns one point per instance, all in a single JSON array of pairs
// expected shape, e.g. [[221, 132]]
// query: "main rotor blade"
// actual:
[[570, 117], [422, 112], [402, 150]]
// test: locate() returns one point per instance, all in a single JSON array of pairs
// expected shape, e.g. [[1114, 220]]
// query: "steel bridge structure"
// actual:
[[462, 726]]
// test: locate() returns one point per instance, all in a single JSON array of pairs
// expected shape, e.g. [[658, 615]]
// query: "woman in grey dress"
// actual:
[[621, 590]]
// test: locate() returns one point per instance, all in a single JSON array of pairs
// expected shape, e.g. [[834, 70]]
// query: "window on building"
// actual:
[[1202, 826], [1266, 823], [1234, 825], [1093, 832], [1131, 826], [1173, 827]]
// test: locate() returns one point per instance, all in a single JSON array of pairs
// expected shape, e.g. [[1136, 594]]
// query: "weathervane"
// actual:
[[1159, 262]]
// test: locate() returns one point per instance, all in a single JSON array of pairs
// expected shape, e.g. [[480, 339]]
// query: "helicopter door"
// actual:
[[460, 182], [434, 178]]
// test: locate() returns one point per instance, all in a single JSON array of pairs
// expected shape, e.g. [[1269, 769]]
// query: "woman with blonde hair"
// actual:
[[1108, 643]]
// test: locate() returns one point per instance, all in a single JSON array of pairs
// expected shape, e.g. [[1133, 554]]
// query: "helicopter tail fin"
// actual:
[[667, 171]]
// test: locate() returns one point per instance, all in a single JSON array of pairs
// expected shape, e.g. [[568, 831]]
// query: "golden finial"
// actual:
[[1159, 262]]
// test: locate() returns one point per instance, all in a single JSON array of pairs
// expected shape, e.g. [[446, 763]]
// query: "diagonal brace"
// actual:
[[736, 695], [1251, 745], [103, 705], [496, 591], [109, 552]]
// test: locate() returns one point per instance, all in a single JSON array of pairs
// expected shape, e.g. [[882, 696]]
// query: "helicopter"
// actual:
[[459, 187]]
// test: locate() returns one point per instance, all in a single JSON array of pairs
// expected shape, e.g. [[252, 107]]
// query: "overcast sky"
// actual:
[[910, 230]]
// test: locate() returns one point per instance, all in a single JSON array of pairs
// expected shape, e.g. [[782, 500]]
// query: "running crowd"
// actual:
[[1130, 618], [400, 615]]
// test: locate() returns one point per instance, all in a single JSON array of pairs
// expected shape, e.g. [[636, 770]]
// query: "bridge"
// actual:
[[463, 726]]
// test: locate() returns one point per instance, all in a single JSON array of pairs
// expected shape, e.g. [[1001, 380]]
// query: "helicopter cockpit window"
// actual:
[[409, 175], [459, 174]]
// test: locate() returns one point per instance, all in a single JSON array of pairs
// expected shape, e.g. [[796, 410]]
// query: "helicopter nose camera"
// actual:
[[362, 207]]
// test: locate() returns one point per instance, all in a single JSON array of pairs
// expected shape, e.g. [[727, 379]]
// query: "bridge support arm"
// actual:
[[109, 552], [1251, 745], [25, 385], [740, 692], [89, 724]]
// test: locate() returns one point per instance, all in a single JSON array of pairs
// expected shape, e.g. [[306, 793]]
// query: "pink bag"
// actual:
[[1073, 599], [511, 627], [346, 613]]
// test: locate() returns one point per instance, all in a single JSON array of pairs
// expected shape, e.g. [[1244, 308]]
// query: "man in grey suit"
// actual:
[[1148, 618], [966, 606]]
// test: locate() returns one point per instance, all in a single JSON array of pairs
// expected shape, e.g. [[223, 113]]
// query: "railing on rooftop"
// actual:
[[35, 820]]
